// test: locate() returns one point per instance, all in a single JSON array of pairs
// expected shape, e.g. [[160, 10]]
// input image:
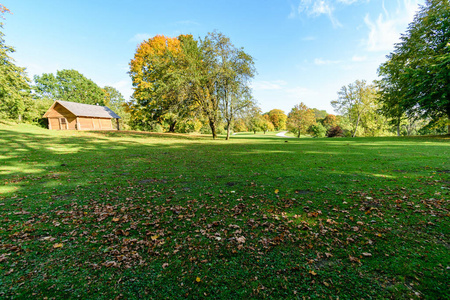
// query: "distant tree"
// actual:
[[355, 100], [330, 121], [115, 101], [69, 85], [235, 69], [319, 114], [416, 76], [300, 119], [15, 94], [278, 118]]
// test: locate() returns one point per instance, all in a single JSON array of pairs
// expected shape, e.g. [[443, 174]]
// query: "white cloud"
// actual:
[[357, 58], [347, 2], [321, 62], [385, 31], [140, 37], [316, 8], [268, 85], [309, 38]]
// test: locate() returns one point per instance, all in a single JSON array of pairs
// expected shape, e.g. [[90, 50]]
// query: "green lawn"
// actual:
[[101, 215]]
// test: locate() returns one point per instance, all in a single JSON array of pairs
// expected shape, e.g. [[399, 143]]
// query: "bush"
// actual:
[[318, 130], [335, 131]]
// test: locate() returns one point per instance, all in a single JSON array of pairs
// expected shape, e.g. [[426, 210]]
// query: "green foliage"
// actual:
[[415, 78], [69, 85], [318, 130], [319, 114], [116, 102], [15, 93], [358, 103], [300, 119]]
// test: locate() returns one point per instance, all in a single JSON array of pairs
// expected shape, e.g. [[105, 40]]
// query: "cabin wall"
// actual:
[[56, 114], [90, 123]]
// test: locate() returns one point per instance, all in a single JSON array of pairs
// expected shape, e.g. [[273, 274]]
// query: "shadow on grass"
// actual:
[[36, 159]]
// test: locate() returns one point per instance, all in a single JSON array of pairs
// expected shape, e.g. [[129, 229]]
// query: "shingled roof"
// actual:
[[86, 110]]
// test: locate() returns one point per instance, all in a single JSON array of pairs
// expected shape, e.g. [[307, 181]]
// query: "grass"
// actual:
[[102, 215]]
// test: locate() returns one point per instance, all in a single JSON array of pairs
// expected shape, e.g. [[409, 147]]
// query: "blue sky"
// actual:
[[305, 50]]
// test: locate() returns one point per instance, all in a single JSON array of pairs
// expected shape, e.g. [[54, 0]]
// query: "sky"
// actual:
[[304, 50]]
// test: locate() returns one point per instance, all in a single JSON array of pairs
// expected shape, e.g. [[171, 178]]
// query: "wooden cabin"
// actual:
[[65, 115]]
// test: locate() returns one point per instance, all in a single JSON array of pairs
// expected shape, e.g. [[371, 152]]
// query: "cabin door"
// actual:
[[63, 124]]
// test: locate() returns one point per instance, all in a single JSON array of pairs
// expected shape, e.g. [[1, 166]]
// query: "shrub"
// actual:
[[335, 131], [318, 130]]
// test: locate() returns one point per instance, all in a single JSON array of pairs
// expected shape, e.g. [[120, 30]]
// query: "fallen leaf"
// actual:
[[115, 219], [366, 254], [198, 279], [240, 239], [58, 245], [165, 265], [312, 273], [277, 191], [154, 237]]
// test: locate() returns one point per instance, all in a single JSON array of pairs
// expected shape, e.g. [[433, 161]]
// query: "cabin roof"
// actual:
[[85, 110]]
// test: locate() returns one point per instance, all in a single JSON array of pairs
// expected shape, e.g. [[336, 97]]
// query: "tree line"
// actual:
[[183, 84]]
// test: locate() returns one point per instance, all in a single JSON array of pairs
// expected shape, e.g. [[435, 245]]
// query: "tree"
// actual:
[[115, 101], [278, 118], [416, 76], [355, 100], [15, 90], [69, 85], [236, 68], [319, 114], [148, 70], [330, 121], [300, 119]]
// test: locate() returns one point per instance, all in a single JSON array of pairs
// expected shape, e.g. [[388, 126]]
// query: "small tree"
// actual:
[[300, 119]]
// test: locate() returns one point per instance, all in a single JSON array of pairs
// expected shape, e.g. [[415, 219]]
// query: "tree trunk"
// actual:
[[299, 133], [356, 127], [212, 125], [228, 130], [172, 126], [448, 117]]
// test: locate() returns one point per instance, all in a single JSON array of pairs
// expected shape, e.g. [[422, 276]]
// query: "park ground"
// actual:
[[104, 215]]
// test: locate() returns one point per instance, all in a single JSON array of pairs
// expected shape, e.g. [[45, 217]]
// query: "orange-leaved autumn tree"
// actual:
[[278, 118], [300, 119], [148, 71]]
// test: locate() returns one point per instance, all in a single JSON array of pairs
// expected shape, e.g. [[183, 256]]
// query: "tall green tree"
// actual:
[[69, 85], [15, 93], [236, 68], [355, 101], [300, 119], [416, 76]]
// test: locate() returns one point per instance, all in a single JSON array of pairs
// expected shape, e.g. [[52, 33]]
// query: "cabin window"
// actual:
[[63, 123]]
